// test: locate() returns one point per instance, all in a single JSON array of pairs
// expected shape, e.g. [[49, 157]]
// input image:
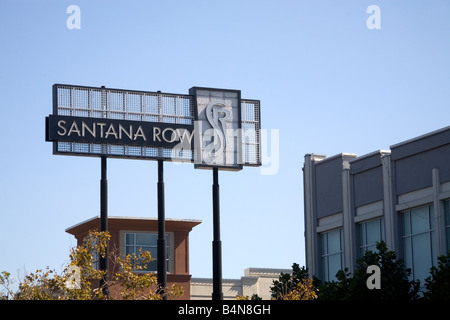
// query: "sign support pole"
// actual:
[[161, 243], [104, 224], [216, 244]]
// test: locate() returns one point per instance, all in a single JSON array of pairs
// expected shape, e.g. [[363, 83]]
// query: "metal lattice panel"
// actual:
[[251, 127], [123, 105]]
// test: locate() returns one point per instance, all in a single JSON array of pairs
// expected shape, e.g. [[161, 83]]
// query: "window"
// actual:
[[370, 232], [95, 260], [332, 254], [146, 242], [418, 241]]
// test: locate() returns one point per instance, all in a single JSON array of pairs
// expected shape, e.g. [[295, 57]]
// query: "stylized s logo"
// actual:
[[216, 112]]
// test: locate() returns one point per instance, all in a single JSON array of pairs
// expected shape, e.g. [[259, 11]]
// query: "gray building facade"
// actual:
[[401, 196]]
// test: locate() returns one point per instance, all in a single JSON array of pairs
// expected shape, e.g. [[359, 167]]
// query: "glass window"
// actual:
[[332, 254], [134, 242], [95, 260], [95, 257], [420, 220], [370, 232], [418, 241]]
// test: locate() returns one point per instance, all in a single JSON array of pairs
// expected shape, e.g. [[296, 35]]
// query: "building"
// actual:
[[401, 196], [255, 281], [128, 234]]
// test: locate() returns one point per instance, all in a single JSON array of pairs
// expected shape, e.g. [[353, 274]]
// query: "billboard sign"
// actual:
[[208, 127]]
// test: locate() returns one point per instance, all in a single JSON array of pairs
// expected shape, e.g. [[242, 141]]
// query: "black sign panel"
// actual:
[[122, 132]]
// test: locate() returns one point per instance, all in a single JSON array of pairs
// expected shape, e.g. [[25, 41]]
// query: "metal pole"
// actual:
[[104, 224], [216, 244], [161, 244]]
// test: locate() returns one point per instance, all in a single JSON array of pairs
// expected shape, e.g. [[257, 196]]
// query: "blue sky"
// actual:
[[326, 82]]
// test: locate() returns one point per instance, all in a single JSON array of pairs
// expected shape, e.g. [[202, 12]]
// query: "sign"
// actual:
[[212, 128], [219, 135], [208, 127], [110, 131]]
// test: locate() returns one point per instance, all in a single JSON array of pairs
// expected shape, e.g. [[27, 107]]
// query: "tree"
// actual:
[[334, 290], [77, 281], [295, 286], [394, 278], [253, 297], [304, 290], [5, 282], [438, 283]]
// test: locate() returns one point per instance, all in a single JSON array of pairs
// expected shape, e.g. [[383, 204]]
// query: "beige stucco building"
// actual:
[[255, 281]]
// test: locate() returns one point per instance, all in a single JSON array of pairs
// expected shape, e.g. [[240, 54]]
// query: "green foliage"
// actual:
[[77, 281], [253, 297], [395, 284], [334, 290], [295, 286], [438, 283]]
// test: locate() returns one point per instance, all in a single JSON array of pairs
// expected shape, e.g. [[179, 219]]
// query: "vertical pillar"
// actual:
[[439, 217], [161, 242], [311, 237], [390, 214], [216, 244], [103, 261], [348, 221]]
